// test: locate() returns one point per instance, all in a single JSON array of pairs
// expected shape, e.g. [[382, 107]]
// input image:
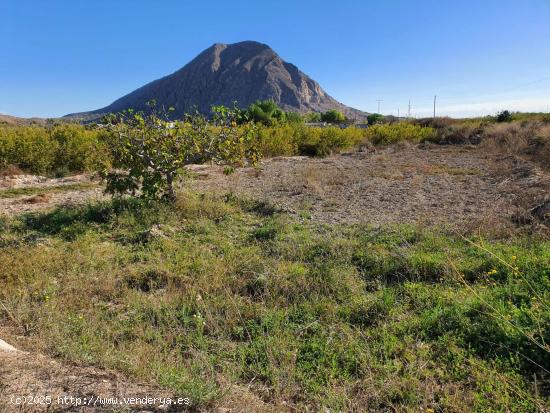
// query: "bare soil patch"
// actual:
[[431, 185], [24, 374], [454, 185], [16, 180], [30, 193]]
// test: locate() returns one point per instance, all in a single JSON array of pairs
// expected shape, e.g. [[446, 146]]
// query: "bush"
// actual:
[[312, 117], [70, 148], [44, 150], [457, 134], [375, 118], [389, 134], [149, 152], [266, 112], [333, 116], [293, 117], [30, 148], [504, 116], [298, 139], [79, 149], [279, 140], [334, 139]]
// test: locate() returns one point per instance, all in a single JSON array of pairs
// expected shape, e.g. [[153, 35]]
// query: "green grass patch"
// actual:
[[347, 318]]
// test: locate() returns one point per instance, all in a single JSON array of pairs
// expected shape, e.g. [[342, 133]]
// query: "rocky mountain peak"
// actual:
[[241, 72]]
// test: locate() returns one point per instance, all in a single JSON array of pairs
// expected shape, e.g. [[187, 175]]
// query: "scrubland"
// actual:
[[70, 148], [222, 288]]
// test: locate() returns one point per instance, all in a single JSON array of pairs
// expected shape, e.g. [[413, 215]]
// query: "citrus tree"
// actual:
[[150, 151]]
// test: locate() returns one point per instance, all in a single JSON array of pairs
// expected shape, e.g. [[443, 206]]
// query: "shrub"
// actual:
[[324, 141], [30, 148], [388, 134], [457, 134], [539, 146], [293, 117], [333, 116], [312, 117], [10, 170], [79, 149], [63, 149], [375, 118], [149, 152], [504, 116], [436, 123], [278, 140], [299, 139], [266, 112], [334, 139], [44, 150]]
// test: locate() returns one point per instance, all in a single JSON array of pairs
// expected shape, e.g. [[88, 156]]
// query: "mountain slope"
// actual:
[[222, 74], [14, 120]]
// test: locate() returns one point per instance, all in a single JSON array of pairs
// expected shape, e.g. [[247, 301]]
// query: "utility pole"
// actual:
[[379, 100], [435, 98], [398, 114], [409, 113]]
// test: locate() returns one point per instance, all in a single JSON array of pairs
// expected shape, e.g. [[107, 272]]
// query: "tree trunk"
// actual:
[[171, 194]]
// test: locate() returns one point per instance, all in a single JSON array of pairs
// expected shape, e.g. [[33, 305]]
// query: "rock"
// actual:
[[367, 147], [542, 211], [224, 73], [6, 347], [38, 199], [155, 232]]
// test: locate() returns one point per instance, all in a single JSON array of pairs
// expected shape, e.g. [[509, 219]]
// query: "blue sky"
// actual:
[[478, 57]]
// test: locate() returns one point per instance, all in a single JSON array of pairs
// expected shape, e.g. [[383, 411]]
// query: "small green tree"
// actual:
[[294, 117], [150, 152], [266, 112], [375, 118], [312, 117], [504, 116], [333, 116]]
